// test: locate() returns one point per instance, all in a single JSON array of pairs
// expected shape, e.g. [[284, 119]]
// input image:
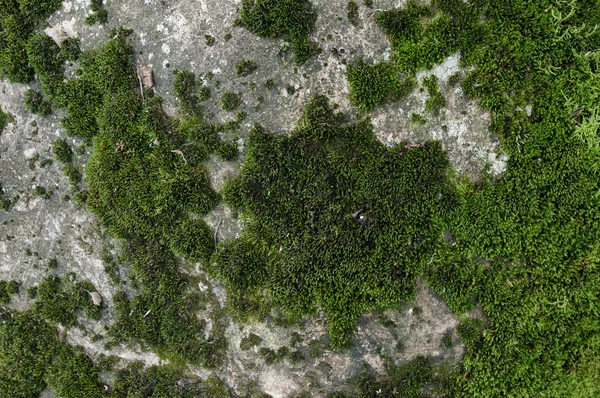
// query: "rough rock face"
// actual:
[[169, 35]]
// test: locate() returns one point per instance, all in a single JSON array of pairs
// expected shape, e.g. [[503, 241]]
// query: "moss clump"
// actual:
[[32, 357], [417, 119], [245, 67], [352, 12], [18, 20], [165, 381], [8, 289], [373, 85], [230, 101], [4, 118], [42, 192], [99, 13], [62, 151], [293, 20], [57, 300], [6, 203], [250, 341], [435, 101], [209, 40], [330, 202], [35, 102], [399, 381]]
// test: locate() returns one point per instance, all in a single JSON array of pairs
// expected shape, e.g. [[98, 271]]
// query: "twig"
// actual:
[[216, 232], [136, 71]]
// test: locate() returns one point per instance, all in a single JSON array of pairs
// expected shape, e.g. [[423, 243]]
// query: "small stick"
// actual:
[[216, 232]]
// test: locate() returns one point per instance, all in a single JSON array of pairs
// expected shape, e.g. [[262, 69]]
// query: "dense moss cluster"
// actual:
[[293, 20], [373, 85], [8, 289], [58, 299], [405, 381], [18, 20], [32, 357], [35, 103], [337, 220]]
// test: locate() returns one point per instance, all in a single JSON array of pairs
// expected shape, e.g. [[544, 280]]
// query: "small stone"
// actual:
[[96, 298]]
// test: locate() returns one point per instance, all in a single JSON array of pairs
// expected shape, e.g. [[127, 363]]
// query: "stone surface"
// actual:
[[169, 35]]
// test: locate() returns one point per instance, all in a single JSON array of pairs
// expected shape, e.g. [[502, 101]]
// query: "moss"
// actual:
[[316, 348], [58, 300], [269, 356], [185, 91], [35, 103], [8, 289], [270, 84], [435, 100], [296, 357], [31, 350], [99, 15], [290, 89], [42, 192], [399, 381], [209, 40], [447, 340], [227, 37], [230, 101], [18, 20], [455, 79], [368, 3], [317, 207], [4, 119], [352, 12], [417, 119], [165, 381], [292, 20], [249, 342], [245, 67], [373, 85]]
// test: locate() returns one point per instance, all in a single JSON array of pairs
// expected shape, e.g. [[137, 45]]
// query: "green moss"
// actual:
[[99, 15], [293, 20], [352, 12], [4, 119], [435, 100], [250, 341], [447, 340], [245, 67], [18, 20], [416, 119], [164, 381], [317, 208], [270, 84], [42, 192], [209, 40], [296, 357], [230, 101], [58, 300], [8, 289], [35, 103], [399, 381], [373, 85], [31, 351], [368, 3]]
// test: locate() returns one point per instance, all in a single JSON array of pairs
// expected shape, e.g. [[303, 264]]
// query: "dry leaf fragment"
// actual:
[[57, 33], [96, 298], [145, 74]]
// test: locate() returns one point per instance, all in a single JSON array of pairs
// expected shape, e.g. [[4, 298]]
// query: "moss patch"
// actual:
[[293, 20], [329, 203]]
